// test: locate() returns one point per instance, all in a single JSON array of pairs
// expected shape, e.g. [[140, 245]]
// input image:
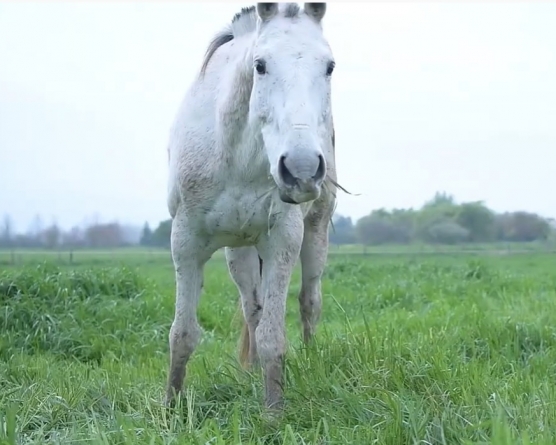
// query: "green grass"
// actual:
[[411, 349]]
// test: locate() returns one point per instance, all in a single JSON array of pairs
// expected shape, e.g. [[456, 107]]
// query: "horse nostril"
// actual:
[[285, 174], [321, 170]]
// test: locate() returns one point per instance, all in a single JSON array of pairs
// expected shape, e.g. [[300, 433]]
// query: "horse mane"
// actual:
[[243, 23]]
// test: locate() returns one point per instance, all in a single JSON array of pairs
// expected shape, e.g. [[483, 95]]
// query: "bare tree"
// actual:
[[52, 236], [7, 233]]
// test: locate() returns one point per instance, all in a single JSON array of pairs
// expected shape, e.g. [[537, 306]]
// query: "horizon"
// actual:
[[443, 96], [96, 219]]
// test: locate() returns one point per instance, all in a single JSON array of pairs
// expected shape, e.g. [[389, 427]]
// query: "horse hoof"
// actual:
[[273, 414], [170, 400]]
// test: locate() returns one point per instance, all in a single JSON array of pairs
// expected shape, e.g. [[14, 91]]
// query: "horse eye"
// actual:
[[260, 66], [330, 68]]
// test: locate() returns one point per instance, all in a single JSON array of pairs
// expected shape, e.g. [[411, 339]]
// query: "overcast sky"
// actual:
[[426, 97]]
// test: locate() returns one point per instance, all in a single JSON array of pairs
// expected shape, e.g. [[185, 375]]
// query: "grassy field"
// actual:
[[414, 348]]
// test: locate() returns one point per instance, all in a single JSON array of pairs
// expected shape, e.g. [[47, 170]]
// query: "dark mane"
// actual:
[[220, 39], [243, 22]]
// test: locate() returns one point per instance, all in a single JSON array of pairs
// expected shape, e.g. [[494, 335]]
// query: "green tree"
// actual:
[[447, 232], [342, 230], [479, 221], [439, 212], [382, 227], [162, 234]]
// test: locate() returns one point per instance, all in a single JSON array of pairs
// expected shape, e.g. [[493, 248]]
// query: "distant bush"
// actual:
[[447, 232]]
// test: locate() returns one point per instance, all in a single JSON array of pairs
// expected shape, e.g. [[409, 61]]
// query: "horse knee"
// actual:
[[270, 341], [271, 348], [310, 302], [184, 339]]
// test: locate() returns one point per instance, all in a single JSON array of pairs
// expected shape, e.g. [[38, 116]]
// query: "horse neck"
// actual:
[[240, 141]]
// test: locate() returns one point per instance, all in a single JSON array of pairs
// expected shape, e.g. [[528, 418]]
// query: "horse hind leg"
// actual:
[[245, 267], [313, 255]]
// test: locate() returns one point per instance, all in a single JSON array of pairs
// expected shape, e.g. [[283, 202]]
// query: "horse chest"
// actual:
[[239, 218]]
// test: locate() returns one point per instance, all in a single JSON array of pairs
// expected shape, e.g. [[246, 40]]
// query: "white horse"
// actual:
[[252, 169]]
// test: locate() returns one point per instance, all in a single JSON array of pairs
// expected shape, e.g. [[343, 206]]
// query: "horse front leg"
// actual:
[[189, 255], [279, 251]]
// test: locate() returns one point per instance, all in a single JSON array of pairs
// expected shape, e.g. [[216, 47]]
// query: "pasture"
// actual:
[[412, 348]]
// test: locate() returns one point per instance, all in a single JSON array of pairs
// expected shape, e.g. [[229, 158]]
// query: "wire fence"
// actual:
[[15, 257]]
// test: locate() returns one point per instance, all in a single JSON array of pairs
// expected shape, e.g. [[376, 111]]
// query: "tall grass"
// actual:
[[410, 350]]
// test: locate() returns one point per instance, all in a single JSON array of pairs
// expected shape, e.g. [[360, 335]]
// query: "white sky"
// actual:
[[426, 97]]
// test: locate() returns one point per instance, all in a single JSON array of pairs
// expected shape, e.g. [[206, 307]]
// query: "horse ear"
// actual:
[[267, 10], [315, 10]]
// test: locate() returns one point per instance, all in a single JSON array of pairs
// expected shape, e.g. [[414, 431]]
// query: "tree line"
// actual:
[[52, 236], [440, 220]]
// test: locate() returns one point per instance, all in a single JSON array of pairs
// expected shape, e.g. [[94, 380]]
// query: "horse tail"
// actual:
[[244, 344], [245, 340]]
